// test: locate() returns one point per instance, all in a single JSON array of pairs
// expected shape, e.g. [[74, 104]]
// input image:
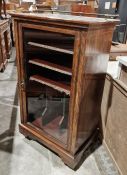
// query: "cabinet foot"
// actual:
[[74, 162]]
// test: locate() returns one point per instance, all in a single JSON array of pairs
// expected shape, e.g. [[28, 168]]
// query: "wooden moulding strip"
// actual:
[[55, 85], [52, 66], [51, 48]]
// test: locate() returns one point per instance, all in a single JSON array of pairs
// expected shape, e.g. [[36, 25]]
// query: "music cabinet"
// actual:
[[62, 61]]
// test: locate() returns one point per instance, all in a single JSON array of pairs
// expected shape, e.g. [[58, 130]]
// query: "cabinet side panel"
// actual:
[[94, 68]]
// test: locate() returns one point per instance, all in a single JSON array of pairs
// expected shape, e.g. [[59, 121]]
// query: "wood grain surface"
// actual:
[[88, 66]]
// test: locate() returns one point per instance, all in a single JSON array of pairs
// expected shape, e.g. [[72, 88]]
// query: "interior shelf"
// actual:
[[52, 66], [54, 84], [51, 47]]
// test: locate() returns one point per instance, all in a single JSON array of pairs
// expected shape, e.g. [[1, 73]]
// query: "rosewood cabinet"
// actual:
[[62, 61]]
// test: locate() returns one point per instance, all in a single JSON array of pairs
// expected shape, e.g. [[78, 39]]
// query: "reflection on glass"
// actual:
[[48, 110]]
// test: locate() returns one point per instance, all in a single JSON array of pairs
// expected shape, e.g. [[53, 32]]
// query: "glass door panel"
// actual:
[[48, 110], [48, 58]]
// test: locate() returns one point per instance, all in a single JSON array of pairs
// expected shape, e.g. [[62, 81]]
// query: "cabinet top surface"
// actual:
[[64, 18]]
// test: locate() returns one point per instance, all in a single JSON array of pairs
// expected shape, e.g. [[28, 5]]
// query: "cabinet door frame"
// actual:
[[21, 80]]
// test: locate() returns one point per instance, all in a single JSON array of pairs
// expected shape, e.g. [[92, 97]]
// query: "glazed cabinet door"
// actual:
[[47, 65]]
